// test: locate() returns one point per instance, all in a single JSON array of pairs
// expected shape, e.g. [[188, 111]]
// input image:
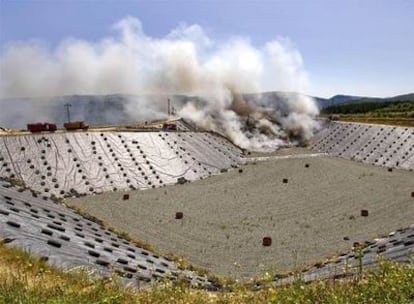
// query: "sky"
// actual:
[[363, 48]]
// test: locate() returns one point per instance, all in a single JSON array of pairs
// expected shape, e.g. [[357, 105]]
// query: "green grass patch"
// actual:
[[24, 279]]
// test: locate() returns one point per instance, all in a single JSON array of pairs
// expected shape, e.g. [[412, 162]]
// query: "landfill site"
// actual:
[[182, 192]]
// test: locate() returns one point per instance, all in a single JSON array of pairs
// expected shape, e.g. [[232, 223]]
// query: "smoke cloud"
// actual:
[[186, 61]]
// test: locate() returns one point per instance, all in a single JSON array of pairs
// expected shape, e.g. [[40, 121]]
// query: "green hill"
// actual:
[[385, 109]]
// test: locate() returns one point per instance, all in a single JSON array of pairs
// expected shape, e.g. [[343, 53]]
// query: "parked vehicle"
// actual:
[[76, 125], [169, 127], [41, 127]]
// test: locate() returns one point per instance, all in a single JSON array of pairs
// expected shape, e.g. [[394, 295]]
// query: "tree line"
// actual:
[[367, 107]]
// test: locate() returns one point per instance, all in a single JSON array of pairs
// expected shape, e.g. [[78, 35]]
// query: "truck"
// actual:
[[41, 127], [76, 125], [169, 127]]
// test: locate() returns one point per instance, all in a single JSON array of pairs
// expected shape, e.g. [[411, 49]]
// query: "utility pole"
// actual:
[[169, 112], [68, 105]]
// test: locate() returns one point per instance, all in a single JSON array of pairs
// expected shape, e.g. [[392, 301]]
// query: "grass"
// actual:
[[24, 279]]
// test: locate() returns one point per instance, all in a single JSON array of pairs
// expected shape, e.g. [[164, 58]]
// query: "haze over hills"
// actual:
[[121, 108], [341, 99]]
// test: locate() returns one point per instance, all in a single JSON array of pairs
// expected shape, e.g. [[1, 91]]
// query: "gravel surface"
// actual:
[[315, 214]]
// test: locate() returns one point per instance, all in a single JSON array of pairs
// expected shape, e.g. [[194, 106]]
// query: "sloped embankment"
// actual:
[[67, 240], [397, 246], [380, 145], [94, 162]]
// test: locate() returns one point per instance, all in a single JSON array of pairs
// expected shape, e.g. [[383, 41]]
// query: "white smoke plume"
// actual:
[[186, 61]]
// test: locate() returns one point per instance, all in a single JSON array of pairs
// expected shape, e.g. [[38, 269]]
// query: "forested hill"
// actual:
[[347, 99], [403, 109]]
